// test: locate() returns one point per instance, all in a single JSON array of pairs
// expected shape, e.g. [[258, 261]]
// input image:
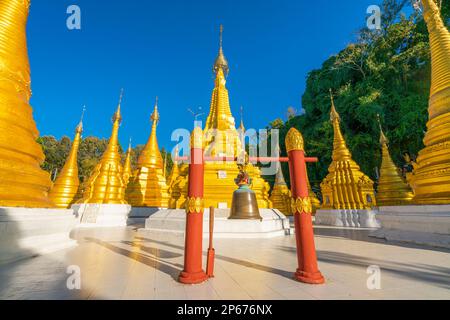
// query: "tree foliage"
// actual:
[[385, 72]]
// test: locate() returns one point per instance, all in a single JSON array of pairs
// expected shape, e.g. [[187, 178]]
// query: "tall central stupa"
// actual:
[[222, 139]]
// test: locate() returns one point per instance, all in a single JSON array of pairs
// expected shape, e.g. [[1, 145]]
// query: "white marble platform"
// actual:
[[348, 218], [274, 224], [127, 264], [102, 215], [29, 232], [427, 225]]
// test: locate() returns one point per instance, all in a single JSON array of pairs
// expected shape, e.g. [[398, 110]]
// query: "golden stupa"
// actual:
[[392, 190], [281, 195], [222, 140], [313, 197], [345, 186], [431, 176], [177, 190], [65, 189], [148, 187], [127, 170], [106, 184], [22, 181]]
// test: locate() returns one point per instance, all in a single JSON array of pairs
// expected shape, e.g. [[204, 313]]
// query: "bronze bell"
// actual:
[[244, 205]]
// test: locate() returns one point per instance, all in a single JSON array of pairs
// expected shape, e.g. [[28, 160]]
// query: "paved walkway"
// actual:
[[126, 263]]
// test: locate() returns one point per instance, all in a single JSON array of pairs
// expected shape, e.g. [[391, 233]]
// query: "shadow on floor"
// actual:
[[166, 267], [437, 275], [248, 264], [363, 235]]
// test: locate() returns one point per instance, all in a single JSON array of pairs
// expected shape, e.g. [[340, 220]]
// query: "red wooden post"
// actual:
[[211, 251], [193, 252], [308, 271]]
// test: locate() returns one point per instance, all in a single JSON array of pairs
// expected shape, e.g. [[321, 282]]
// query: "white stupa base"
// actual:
[[274, 224], [138, 215], [347, 218], [25, 232], [425, 225], [102, 215]]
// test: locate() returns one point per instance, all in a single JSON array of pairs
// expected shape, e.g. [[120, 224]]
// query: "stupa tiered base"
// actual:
[[348, 218], [425, 225], [25, 232], [102, 215], [273, 224]]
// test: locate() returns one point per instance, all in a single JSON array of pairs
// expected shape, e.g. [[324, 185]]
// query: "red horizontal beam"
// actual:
[[251, 159]]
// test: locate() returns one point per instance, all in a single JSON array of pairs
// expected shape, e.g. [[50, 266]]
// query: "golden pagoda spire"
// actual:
[[281, 195], [340, 150], [392, 190], [127, 171], [221, 62], [431, 176], [242, 127], [345, 186], [65, 189], [22, 181], [150, 155], [148, 188], [106, 184], [221, 139]]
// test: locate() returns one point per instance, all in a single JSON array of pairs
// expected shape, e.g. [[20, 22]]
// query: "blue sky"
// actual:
[[167, 48]]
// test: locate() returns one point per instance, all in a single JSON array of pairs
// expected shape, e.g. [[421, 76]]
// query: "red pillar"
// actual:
[[193, 252], [308, 271]]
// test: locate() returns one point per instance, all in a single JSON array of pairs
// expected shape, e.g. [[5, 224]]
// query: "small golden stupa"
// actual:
[[281, 195], [127, 170], [65, 189], [345, 186], [106, 184], [174, 182], [148, 187], [22, 181], [431, 176], [312, 196], [392, 190], [222, 140]]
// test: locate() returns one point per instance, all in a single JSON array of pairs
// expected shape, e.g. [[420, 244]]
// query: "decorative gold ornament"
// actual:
[[195, 205], [301, 205], [392, 190], [65, 189], [22, 181], [106, 184], [148, 186], [345, 186], [431, 176], [294, 141]]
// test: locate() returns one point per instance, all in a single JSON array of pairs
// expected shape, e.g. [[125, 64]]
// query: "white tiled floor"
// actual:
[[124, 263]]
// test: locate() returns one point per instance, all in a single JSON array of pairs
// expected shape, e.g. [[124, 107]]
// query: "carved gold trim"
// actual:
[[195, 205], [294, 141], [197, 138], [301, 205]]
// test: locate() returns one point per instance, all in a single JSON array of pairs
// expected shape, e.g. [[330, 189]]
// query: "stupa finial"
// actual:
[[155, 114], [242, 127], [383, 139], [221, 62], [117, 116]]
